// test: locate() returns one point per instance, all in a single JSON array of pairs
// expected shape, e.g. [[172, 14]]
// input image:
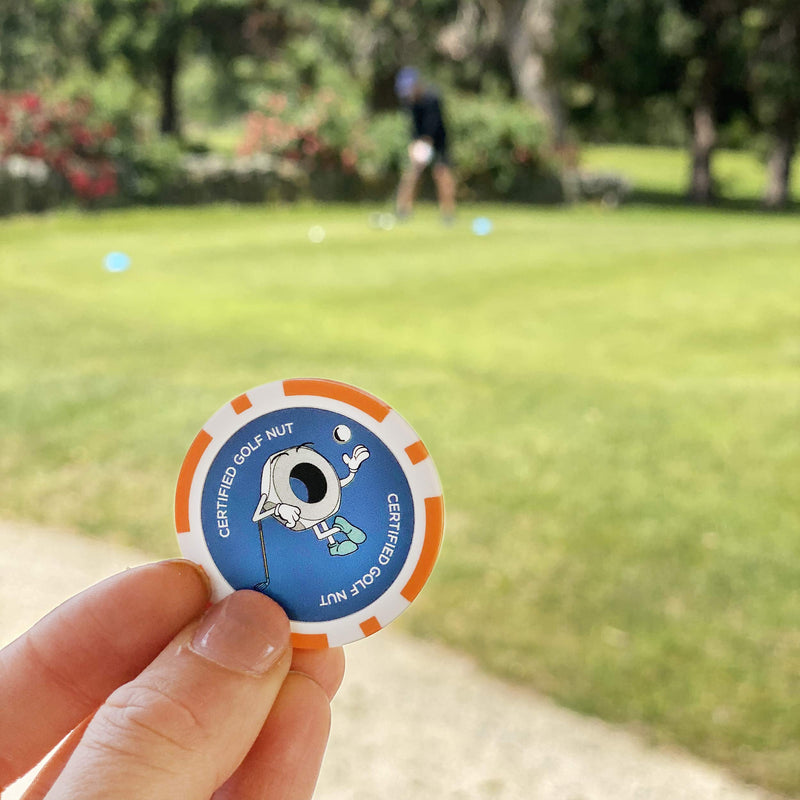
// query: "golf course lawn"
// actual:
[[738, 175], [612, 399]]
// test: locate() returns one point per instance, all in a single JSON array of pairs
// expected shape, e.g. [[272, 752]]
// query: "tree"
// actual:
[[18, 40], [612, 72], [669, 70], [526, 31], [39, 40], [153, 37], [707, 34], [773, 29], [392, 34]]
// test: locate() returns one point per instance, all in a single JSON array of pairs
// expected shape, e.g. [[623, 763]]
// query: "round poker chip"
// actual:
[[319, 495]]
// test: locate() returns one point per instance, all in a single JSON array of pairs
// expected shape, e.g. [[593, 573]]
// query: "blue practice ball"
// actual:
[[481, 226], [117, 262]]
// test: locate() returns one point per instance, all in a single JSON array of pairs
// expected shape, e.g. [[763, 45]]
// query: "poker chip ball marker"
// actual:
[[319, 495]]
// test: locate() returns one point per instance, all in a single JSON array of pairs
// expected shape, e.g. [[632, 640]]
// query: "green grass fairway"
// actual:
[[612, 398], [663, 171]]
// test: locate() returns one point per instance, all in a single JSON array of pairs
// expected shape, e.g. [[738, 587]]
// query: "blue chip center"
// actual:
[[329, 539]]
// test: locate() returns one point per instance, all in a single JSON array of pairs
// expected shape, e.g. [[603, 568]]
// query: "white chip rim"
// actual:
[[379, 418]]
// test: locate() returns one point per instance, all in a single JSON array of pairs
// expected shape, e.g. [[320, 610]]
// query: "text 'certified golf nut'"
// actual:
[[320, 496]]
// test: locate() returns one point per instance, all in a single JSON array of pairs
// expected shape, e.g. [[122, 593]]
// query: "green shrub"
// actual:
[[30, 185], [148, 170], [500, 151], [499, 148], [387, 145], [318, 145]]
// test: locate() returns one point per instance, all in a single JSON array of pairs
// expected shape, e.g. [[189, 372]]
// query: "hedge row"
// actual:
[[29, 185], [306, 147]]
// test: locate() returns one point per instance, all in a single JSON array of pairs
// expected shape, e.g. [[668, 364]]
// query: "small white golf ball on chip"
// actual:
[[318, 495], [116, 261], [481, 226], [342, 434], [316, 234]]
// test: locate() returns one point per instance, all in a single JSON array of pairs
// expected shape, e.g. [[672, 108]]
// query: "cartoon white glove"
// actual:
[[286, 514], [360, 455]]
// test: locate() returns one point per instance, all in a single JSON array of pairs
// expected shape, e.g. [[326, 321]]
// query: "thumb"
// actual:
[[185, 723]]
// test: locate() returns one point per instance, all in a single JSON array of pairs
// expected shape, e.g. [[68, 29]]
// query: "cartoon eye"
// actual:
[[308, 483], [342, 434]]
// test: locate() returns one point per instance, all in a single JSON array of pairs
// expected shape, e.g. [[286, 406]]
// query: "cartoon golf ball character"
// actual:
[[302, 490]]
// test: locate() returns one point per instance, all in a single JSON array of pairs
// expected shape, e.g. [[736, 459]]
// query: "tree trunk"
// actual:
[[170, 115], [529, 40], [779, 168], [704, 139]]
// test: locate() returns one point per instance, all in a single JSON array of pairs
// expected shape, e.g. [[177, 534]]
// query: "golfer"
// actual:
[[429, 145]]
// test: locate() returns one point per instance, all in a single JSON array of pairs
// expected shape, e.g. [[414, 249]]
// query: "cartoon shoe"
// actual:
[[354, 534], [342, 548]]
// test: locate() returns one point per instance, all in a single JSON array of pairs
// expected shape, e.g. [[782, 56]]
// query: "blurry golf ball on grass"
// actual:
[[481, 226], [117, 262], [316, 234], [383, 221]]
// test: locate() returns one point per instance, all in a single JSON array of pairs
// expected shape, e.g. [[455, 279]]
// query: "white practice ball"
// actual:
[[316, 234]]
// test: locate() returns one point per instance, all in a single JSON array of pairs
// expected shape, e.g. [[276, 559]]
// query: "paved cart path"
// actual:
[[413, 719]]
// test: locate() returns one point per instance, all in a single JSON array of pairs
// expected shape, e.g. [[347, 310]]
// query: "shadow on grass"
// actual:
[[656, 199]]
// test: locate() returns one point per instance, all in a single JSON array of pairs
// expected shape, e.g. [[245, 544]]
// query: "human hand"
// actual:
[[161, 701], [421, 153]]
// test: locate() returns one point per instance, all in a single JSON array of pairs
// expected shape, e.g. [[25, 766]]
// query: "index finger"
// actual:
[[62, 669]]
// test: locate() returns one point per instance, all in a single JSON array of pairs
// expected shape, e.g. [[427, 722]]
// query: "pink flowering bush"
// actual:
[[66, 136], [500, 150], [318, 132], [306, 145]]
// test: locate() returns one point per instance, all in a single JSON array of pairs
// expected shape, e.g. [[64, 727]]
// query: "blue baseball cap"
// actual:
[[407, 78]]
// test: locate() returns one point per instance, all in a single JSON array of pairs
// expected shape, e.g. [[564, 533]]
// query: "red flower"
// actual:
[[311, 145], [30, 102], [36, 149], [80, 181], [81, 136], [61, 134], [104, 185]]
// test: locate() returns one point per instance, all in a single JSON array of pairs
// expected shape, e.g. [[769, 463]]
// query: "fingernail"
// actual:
[[246, 632], [201, 573]]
